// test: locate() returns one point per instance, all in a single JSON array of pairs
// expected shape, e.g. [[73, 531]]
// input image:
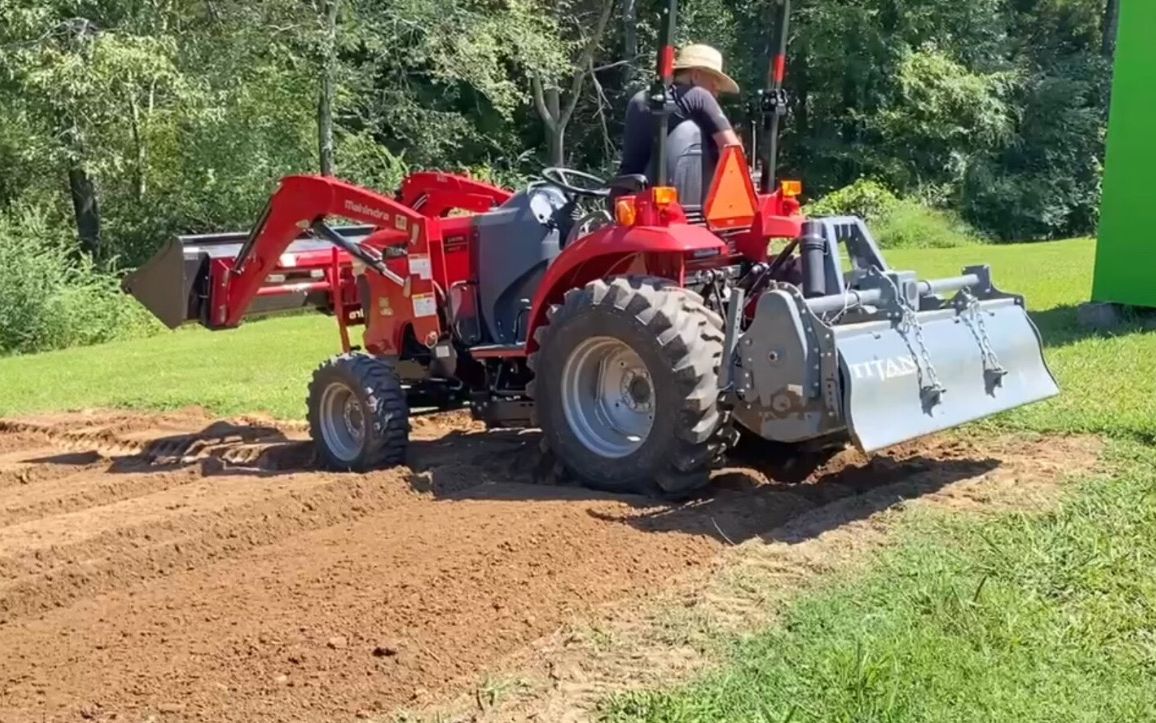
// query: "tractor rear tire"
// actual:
[[358, 415], [613, 353]]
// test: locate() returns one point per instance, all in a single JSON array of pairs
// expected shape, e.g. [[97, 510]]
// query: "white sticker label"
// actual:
[[421, 267], [424, 305]]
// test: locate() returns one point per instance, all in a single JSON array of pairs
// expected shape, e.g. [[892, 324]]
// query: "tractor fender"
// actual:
[[612, 250]]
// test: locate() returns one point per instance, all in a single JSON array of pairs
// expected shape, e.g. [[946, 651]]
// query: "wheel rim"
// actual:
[[608, 397], [342, 421]]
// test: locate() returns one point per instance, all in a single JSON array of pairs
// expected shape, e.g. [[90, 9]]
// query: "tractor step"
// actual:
[[497, 351]]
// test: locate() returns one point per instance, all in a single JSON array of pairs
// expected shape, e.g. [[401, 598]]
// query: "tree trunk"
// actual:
[[325, 101], [85, 207], [557, 129], [557, 141], [140, 168], [630, 40], [801, 128], [1110, 25]]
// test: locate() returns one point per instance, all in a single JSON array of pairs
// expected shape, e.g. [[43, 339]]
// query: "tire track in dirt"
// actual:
[[183, 501], [71, 491], [202, 569], [21, 469]]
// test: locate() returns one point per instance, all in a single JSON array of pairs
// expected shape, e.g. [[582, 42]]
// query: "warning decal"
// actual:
[[420, 267], [424, 305]]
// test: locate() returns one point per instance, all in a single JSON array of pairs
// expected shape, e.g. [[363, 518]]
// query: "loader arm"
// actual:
[[299, 204], [293, 259], [436, 194]]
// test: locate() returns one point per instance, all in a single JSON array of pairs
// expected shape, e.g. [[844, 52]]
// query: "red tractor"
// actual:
[[641, 345]]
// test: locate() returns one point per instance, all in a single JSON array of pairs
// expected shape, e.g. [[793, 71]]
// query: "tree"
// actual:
[[554, 112], [325, 99]]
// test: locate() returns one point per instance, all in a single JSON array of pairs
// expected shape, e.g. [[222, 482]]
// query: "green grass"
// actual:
[[1047, 618], [262, 366]]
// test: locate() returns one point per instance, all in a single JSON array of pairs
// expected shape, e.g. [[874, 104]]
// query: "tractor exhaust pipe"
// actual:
[[813, 249]]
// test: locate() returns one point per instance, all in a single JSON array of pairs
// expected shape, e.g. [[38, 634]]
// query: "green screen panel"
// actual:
[[1126, 252]]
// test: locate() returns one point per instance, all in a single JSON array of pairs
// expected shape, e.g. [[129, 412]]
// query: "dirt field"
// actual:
[[179, 566]]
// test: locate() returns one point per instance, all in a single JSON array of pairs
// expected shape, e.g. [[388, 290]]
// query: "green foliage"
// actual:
[[865, 198], [52, 296], [911, 224], [942, 115], [185, 115], [894, 222], [368, 163], [1046, 182], [997, 107]]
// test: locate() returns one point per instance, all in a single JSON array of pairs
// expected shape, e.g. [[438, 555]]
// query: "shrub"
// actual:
[[895, 222], [910, 224], [52, 296], [865, 198]]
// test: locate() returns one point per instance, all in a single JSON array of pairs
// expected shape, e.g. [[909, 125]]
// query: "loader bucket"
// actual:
[[177, 284], [949, 368]]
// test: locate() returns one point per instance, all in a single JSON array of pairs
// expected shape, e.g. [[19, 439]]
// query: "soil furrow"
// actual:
[[183, 566]]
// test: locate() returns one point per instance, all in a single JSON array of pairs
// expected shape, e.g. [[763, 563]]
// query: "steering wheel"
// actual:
[[559, 177]]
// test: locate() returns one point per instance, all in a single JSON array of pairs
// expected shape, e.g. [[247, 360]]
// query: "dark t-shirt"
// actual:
[[690, 103]]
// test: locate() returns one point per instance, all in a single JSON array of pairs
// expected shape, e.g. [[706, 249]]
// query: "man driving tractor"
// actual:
[[697, 116]]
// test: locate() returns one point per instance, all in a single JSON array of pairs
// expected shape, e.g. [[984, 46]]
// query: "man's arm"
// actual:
[[726, 138]]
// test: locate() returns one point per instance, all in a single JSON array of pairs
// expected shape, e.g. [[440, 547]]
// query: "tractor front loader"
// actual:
[[641, 346]]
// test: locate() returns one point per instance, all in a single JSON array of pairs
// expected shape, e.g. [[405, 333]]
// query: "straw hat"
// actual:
[[706, 58]]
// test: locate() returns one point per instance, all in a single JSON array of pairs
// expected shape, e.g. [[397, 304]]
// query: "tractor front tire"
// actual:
[[358, 415], [626, 386]]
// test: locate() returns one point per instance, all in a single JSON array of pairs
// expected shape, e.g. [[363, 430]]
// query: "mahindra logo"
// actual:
[[363, 209], [884, 369]]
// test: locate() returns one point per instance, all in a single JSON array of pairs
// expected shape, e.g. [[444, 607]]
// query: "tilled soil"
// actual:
[[193, 568]]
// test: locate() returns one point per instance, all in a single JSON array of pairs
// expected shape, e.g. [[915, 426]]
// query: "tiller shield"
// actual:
[[890, 360], [933, 370]]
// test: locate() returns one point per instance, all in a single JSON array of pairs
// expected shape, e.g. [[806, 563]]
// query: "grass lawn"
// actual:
[[260, 367], [1022, 618]]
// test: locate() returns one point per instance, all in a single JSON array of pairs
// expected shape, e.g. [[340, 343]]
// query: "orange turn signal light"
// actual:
[[792, 189], [625, 213], [665, 195]]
